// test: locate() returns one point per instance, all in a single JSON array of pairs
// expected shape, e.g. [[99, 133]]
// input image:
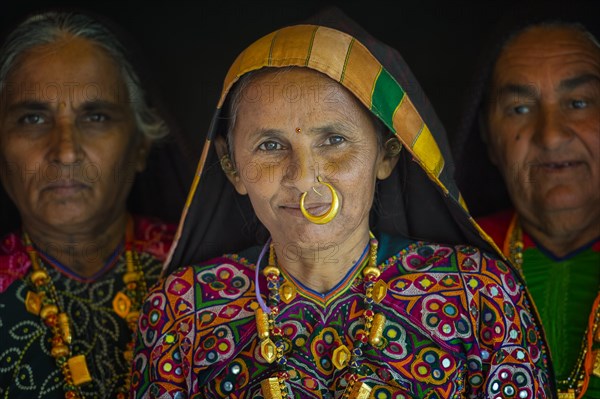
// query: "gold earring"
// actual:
[[331, 213], [227, 165], [392, 147]]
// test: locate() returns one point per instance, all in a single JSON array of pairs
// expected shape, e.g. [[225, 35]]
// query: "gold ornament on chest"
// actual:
[[43, 300], [273, 349]]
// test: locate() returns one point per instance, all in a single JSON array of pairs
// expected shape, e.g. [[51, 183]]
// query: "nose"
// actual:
[[552, 130], [65, 146], [302, 170]]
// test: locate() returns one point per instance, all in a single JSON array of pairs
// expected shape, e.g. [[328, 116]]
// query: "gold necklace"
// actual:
[[271, 337], [44, 301], [588, 361]]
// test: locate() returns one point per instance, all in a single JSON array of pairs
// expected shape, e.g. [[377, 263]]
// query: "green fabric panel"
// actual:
[[564, 292], [386, 97], [593, 391]]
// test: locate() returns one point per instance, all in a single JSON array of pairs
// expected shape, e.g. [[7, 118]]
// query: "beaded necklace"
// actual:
[[588, 361], [44, 301], [272, 345]]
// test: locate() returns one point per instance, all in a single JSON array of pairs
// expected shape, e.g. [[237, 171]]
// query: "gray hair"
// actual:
[[51, 27], [576, 26]]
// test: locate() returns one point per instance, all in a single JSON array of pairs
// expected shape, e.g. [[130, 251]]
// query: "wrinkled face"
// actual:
[[291, 127], [544, 127], [68, 142]]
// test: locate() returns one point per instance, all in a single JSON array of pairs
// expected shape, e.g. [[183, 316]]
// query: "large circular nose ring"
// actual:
[[331, 213]]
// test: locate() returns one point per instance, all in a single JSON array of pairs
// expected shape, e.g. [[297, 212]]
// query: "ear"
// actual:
[[387, 163], [388, 158], [232, 174], [142, 153]]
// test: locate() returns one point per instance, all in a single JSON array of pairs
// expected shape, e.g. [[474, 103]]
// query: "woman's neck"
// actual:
[[323, 267], [83, 251]]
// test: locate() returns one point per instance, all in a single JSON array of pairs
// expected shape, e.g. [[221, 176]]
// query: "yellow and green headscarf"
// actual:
[[419, 201]]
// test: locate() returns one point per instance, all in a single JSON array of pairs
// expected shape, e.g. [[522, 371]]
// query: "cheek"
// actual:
[[590, 136], [260, 190], [509, 148], [357, 184], [21, 166], [21, 152], [356, 167], [113, 155]]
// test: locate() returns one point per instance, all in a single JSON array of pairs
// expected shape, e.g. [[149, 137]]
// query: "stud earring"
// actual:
[[227, 165], [392, 147]]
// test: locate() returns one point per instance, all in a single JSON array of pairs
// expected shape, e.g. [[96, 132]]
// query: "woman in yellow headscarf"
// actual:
[[352, 270]]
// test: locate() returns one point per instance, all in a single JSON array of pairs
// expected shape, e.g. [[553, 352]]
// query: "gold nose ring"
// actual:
[[330, 214]]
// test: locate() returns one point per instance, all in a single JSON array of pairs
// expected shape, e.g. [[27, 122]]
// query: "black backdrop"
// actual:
[[188, 46]]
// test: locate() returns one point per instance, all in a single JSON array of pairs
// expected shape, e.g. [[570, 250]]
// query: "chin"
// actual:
[[72, 216], [306, 234], [567, 201]]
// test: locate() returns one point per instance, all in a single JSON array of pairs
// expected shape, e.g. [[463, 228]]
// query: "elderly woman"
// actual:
[[544, 145], [75, 128], [360, 286]]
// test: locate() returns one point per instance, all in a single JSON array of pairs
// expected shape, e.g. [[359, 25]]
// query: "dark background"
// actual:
[[188, 46]]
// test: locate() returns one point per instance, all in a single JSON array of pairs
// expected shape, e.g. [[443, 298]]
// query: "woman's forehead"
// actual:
[[297, 95], [295, 86]]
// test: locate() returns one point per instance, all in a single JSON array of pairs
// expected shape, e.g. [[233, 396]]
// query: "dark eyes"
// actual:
[[579, 104], [32, 119], [97, 117], [521, 109], [525, 109], [270, 146], [37, 119], [334, 140]]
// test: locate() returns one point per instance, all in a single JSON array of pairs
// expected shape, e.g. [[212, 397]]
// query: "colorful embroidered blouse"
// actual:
[[457, 325], [27, 370], [564, 290]]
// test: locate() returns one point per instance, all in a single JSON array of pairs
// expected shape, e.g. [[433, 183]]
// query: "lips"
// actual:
[[316, 209], [65, 186], [558, 165]]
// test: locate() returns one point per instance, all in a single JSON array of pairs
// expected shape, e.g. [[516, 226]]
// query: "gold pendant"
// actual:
[[262, 323], [79, 370], [596, 360], [287, 292], [379, 291], [569, 394], [270, 388], [33, 303], [121, 304], [268, 350], [358, 390], [377, 330], [48, 311], [63, 325], [341, 357]]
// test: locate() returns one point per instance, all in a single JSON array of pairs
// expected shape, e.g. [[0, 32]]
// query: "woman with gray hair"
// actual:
[[75, 128]]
